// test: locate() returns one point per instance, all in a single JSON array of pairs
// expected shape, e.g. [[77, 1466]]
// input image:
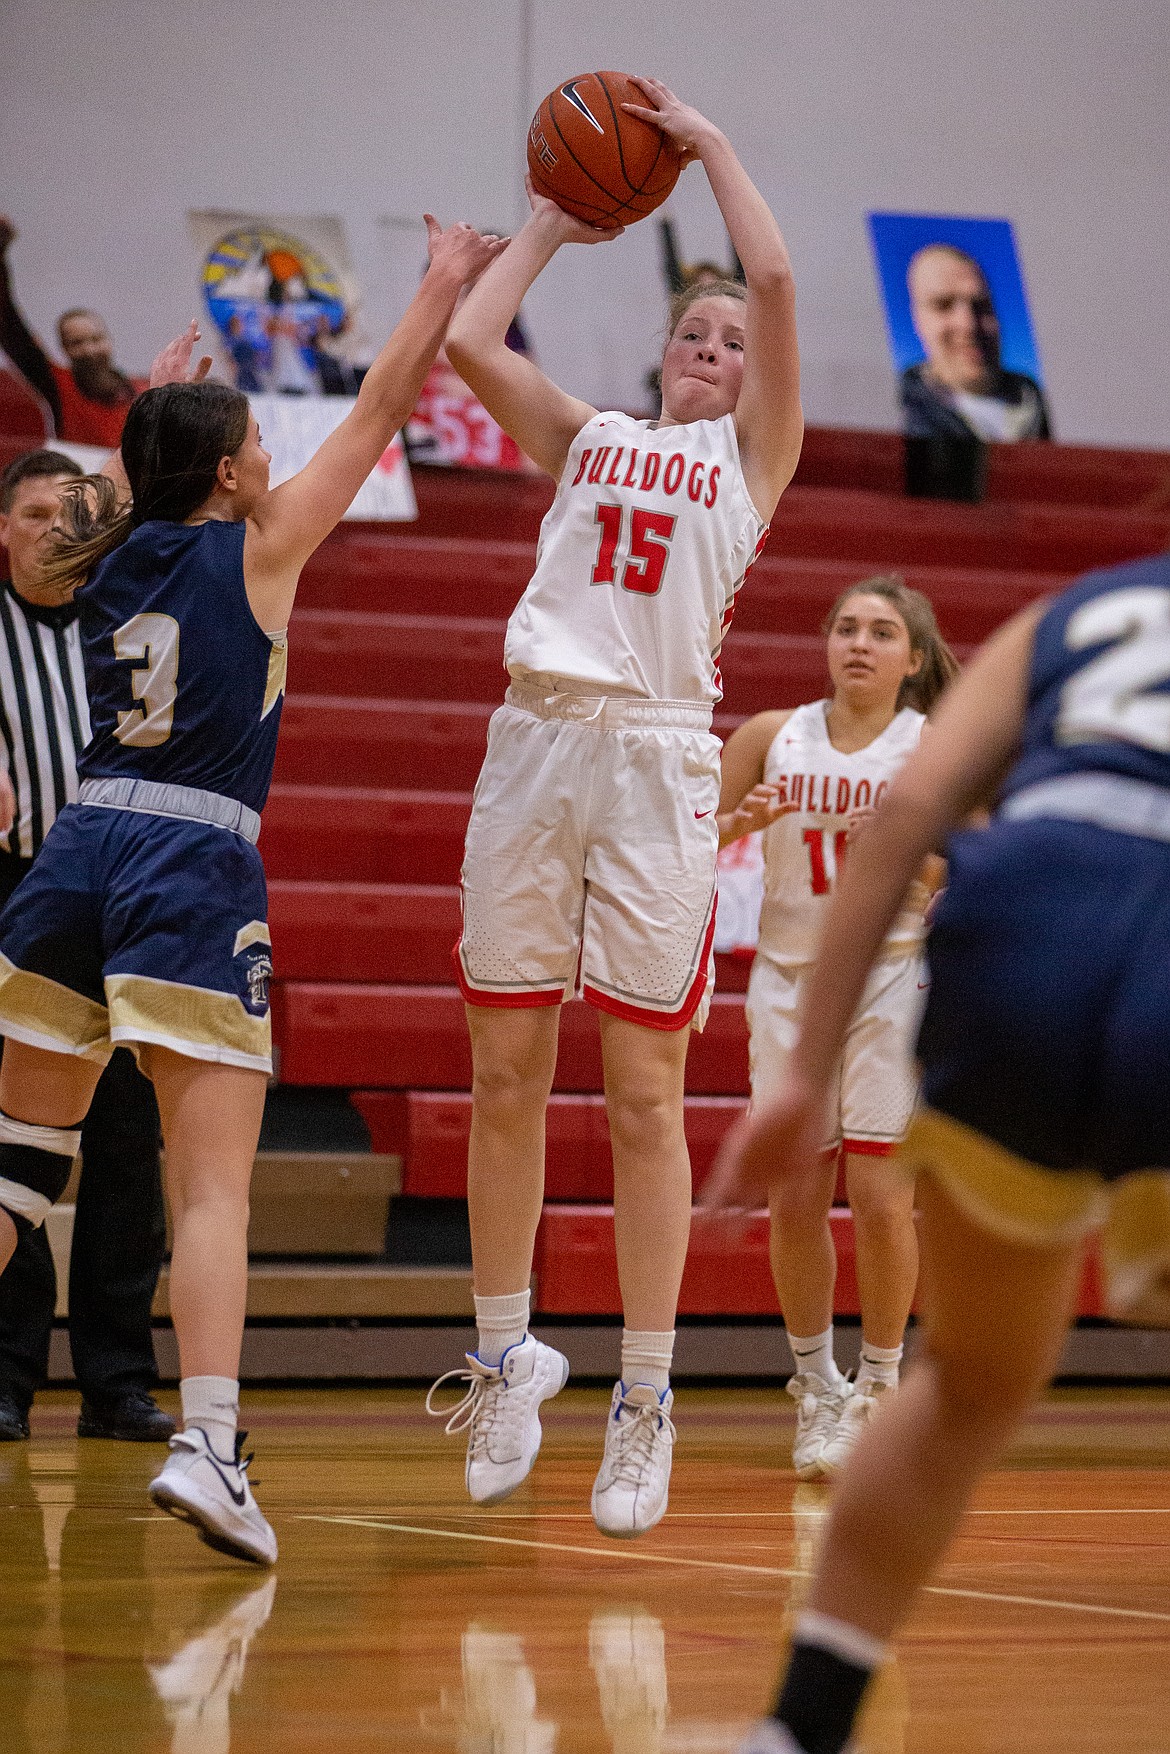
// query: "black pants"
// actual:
[[119, 1236]]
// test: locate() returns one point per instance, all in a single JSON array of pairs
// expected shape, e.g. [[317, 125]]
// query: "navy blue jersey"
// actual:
[[184, 685], [1099, 689]]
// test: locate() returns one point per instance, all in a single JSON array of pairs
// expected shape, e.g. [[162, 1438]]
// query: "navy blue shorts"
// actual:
[[1047, 1029], [139, 928]]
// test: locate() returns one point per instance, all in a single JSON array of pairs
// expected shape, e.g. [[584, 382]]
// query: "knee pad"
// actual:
[[34, 1167]]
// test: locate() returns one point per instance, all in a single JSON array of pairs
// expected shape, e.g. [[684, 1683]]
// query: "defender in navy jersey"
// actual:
[[1045, 1050], [144, 918]]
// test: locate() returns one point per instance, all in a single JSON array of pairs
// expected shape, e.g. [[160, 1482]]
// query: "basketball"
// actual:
[[593, 159]]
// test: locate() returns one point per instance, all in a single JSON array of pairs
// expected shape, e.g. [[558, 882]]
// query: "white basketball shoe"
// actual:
[[863, 1403], [630, 1492], [819, 1406], [501, 1414], [213, 1493]]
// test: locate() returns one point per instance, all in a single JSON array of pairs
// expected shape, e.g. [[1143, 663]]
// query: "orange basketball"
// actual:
[[598, 163]]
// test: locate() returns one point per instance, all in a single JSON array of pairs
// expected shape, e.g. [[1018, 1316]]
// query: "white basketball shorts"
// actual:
[[876, 1084], [590, 859]]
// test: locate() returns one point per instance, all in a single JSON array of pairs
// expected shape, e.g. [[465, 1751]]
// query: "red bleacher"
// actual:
[[395, 667]]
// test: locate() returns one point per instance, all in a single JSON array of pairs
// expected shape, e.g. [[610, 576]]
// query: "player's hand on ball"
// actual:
[[173, 364], [781, 1138], [565, 227], [461, 247], [686, 127]]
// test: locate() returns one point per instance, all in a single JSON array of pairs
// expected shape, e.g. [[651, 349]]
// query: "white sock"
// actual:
[[213, 1403], [879, 1364], [502, 1322], [816, 1355], [646, 1358]]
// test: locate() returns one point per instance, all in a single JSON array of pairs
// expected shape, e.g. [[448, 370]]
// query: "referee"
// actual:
[[119, 1230]]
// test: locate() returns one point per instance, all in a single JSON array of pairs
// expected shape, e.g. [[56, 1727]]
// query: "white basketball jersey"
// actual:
[[641, 553], [804, 851]]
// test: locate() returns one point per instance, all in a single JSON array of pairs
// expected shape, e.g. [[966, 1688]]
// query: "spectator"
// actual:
[[119, 1230], [962, 390], [89, 397]]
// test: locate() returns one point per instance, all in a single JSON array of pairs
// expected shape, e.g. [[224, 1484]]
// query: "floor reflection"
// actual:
[[196, 1684], [101, 1645]]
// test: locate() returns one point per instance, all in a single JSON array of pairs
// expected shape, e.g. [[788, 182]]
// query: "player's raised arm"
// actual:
[[295, 517], [768, 416], [542, 418]]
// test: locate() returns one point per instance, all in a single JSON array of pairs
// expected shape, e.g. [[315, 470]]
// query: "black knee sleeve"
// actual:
[[34, 1167]]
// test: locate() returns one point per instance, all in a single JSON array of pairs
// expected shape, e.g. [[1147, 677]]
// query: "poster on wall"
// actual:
[[282, 299], [292, 428], [960, 328], [450, 426]]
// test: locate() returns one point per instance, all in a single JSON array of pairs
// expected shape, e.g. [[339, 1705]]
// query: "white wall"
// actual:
[[116, 116]]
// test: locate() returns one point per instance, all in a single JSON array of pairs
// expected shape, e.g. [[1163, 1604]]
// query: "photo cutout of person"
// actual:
[[961, 389]]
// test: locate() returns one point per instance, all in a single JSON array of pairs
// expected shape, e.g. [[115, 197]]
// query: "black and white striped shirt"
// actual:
[[44, 713]]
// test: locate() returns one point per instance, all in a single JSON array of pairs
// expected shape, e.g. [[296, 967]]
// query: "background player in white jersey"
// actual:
[[590, 860], [809, 778]]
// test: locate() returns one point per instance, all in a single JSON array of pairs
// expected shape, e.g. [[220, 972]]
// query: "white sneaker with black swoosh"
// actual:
[[213, 1493]]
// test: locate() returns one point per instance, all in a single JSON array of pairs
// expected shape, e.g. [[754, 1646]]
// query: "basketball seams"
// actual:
[[641, 188], [636, 203], [635, 188], [585, 172]]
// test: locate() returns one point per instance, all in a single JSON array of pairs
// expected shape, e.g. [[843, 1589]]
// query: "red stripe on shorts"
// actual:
[[506, 1001], [871, 1147], [670, 1020]]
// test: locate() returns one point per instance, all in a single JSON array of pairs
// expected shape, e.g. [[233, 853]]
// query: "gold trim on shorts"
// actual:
[[44, 1014], [1036, 1207], [191, 1020]]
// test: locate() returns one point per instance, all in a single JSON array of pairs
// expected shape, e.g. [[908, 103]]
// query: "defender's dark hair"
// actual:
[[939, 665], [172, 444], [33, 466]]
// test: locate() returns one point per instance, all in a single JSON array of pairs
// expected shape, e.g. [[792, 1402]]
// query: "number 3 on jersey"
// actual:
[[650, 534], [154, 639]]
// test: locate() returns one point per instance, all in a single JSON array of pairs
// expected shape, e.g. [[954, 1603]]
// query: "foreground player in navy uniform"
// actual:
[[1046, 1100], [144, 918]]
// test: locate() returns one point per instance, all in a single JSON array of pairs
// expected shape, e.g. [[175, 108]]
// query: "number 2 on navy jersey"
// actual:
[[154, 639], [1105, 700], [650, 534]]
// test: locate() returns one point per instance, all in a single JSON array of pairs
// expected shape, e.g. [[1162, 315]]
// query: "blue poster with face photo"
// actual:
[[960, 330]]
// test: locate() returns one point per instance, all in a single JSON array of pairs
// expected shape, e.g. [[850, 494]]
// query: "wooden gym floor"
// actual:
[[400, 1618]]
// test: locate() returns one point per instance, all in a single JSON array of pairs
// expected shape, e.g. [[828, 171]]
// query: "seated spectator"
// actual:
[[962, 390], [89, 397]]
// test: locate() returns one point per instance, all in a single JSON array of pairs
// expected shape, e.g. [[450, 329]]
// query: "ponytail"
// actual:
[[173, 442], [92, 521], [939, 666]]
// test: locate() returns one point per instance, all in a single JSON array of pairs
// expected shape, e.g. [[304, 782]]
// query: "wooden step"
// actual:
[[348, 1291]]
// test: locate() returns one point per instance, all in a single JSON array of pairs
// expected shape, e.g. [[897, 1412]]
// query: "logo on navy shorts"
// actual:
[[253, 957]]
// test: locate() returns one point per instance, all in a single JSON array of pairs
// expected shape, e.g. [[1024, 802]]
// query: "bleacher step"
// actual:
[[340, 1291]]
